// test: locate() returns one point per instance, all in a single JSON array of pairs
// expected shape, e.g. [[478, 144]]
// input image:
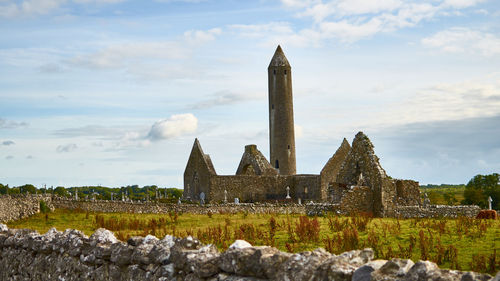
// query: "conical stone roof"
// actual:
[[279, 58]]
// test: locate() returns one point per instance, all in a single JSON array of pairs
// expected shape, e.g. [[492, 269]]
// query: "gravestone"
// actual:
[[288, 193], [225, 196], [300, 201], [489, 203], [427, 201], [236, 200], [202, 198], [179, 201]]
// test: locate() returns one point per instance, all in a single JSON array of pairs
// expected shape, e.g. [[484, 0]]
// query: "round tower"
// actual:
[[281, 126]]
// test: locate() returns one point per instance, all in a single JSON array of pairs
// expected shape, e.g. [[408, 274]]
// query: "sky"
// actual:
[[114, 92]]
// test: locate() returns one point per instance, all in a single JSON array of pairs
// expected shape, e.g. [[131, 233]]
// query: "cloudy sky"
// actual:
[[113, 92]]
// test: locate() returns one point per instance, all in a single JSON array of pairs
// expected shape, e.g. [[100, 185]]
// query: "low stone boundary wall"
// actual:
[[162, 208], [20, 206], [70, 255], [15, 207], [437, 211]]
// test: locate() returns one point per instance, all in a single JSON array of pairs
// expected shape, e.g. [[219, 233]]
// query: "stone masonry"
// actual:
[[71, 255]]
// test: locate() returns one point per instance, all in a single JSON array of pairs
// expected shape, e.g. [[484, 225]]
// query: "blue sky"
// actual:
[[113, 92]]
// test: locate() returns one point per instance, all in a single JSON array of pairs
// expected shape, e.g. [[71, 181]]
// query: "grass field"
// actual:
[[464, 243]]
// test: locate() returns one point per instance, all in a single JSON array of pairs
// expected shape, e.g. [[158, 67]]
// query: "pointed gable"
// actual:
[[332, 167], [361, 159], [200, 159], [253, 162]]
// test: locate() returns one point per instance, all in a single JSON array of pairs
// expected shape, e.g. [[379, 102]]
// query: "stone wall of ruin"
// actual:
[[71, 255], [15, 207], [357, 199], [264, 188]]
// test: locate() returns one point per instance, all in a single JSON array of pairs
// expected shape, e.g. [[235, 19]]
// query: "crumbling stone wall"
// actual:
[[357, 199], [15, 207], [331, 169], [264, 188], [407, 193], [253, 162], [71, 255]]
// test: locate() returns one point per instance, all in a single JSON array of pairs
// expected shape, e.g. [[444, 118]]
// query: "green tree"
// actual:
[[4, 189], [61, 191], [480, 187], [27, 188]]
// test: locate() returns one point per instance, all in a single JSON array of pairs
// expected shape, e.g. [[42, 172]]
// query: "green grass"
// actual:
[[432, 239], [444, 195]]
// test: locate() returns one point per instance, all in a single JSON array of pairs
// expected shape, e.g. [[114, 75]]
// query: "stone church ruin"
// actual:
[[352, 177]]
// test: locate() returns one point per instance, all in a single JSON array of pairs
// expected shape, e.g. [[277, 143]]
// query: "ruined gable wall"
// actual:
[[332, 167], [197, 174], [254, 158], [362, 159]]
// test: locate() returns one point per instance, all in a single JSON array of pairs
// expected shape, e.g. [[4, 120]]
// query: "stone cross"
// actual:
[[76, 194], [225, 196], [202, 198], [179, 201], [300, 201], [288, 193], [489, 203], [236, 200], [111, 196]]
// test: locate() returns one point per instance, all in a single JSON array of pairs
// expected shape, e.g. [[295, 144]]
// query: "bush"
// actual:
[[44, 208]]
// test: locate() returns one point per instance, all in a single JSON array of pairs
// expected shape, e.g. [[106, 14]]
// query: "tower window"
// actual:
[[288, 146], [285, 71], [272, 106], [274, 71], [277, 165]]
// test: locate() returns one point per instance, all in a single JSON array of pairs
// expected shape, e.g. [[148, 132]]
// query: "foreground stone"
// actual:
[[70, 255]]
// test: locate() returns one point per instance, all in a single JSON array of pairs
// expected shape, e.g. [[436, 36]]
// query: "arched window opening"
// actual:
[[277, 165], [274, 71], [285, 71], [288, 146], [272, 106]]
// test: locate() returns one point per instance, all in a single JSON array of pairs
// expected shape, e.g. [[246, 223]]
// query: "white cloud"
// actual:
[[70, 147], [196, 37], [175, 126], [464, 40], [9, 124], [119, 55], [445, 102], [348, 21], [41, 7], [459, 4], [224, 98], [9, 157]]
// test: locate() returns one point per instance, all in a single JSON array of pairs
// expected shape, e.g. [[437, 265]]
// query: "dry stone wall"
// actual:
[[358, 198], [71, 255], [436, 211], [15, 207]]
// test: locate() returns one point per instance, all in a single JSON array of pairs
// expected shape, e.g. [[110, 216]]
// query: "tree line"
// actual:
[[132, 192]]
